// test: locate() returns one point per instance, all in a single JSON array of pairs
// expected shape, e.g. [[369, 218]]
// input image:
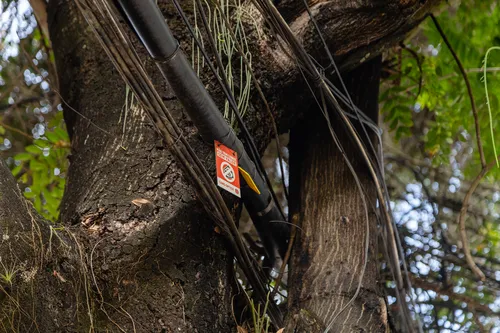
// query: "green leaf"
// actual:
[[17, 170], [42, 143], [52, 136], [33, 149], [23, 157], [61, 134], [36, 166]]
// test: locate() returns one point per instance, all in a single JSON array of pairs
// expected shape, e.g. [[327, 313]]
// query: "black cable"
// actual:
[[225, 87], [197, 102], [221, 66]]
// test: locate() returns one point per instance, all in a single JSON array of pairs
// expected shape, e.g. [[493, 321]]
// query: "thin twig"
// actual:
[[27, 100], [461, 221], [484, 168], [449, 76], [488, 105], [80, 114], [419, 64], [469, 90], [13, 129]]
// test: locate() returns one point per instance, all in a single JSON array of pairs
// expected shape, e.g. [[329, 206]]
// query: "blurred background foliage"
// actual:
[[432, 157], [429, 143], [33, 139]]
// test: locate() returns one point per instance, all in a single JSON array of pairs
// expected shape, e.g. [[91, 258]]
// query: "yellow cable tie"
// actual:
[[249, 180]]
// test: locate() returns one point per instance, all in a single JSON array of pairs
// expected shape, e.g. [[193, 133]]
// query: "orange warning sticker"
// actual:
[[226, 161]]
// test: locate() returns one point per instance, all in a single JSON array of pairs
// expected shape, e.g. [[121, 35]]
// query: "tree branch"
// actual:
[[469, 90], [13, 129], [21, 102], [437, 287], [461, 221]]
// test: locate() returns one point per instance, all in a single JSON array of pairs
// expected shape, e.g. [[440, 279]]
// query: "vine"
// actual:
[[485, 69]]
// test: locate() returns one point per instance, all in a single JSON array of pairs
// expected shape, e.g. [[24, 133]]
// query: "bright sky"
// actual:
[[10, 35]]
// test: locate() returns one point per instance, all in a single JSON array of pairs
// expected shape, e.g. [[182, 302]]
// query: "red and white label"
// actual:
[[226, 161]]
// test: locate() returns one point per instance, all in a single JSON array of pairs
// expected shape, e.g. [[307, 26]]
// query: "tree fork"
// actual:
[[162, 267]]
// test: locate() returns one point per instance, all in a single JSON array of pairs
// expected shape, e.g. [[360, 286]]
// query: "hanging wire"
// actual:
[[254, 80], [278, 24], [114, 41], [222, 81], [376, 154], [324, 110]]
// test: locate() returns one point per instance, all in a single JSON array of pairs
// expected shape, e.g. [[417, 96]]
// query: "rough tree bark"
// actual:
[[156, 264], [327, 206]]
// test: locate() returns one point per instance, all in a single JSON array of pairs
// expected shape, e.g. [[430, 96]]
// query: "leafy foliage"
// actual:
[[432, 157], [39, 169], [471, 28], [33, 139]]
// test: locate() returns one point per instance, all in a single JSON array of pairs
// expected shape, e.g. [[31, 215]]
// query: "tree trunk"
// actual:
[[159, 264], [134, 251], [329, 252]]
